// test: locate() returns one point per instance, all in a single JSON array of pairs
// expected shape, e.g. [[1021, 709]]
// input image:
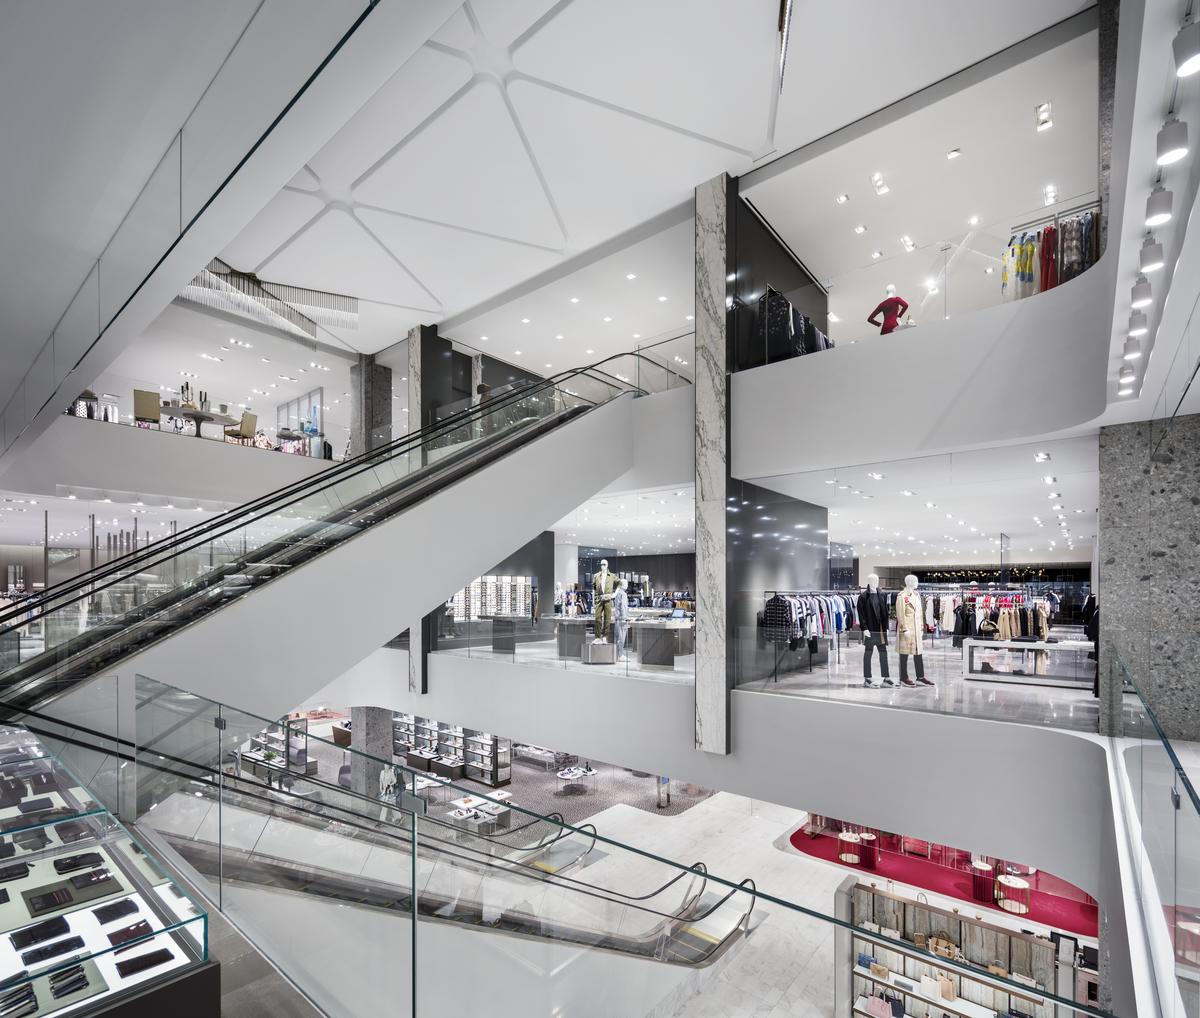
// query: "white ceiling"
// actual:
[[999, 176], [993, 491], [178, 341], [648, 521], [94, 95], [567, 317], [526, 132]]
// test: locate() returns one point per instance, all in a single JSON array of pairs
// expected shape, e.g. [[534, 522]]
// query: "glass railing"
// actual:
[[89, 914], [327, 855], [79, 627], [1163, 824]]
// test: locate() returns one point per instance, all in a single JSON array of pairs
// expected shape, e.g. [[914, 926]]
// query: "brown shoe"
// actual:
[[907, 682]]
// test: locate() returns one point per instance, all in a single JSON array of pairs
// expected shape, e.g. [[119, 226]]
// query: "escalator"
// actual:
[[338, 553]]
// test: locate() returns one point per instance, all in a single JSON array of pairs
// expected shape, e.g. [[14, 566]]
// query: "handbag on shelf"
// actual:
[[903, 985], [920, 940], [887, 932], [996, 969], [880, 971], [865, 961], [897, 1007], [870, 927], [947, 988], [877, 1007], [929, 987]]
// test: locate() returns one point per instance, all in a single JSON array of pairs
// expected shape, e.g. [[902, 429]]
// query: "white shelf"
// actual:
[[958, 1005]]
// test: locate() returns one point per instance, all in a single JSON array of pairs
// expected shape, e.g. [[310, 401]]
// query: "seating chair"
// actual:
[[243, 434], [146, 407]]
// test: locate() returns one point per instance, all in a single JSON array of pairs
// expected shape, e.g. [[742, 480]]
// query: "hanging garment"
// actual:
[[773, 330], [1049, 274], [891, 308], [1008, 269]]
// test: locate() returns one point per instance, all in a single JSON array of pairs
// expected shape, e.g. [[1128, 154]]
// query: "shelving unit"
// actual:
[[488, 758], [287, 740], [417, 733]]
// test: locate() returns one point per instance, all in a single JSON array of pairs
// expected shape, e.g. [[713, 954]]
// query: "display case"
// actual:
[[88, 919], [439, 747], [488, 758]]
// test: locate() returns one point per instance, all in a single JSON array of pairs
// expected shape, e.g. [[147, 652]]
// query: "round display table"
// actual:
[[981, 880], [848, 847], [1012, 894], [870, 848]]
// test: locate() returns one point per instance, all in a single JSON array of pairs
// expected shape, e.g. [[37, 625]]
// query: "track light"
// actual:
[[1158, 206], [1140, 296], [1151, 256], [1172, 141], [1186, 46], [1138, 325], [1132, 351], [1126, 375], [1125, 390]]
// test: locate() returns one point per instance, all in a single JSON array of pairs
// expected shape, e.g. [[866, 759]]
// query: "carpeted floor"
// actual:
[[1063, 913]]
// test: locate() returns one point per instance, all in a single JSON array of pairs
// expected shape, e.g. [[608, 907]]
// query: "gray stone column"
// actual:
[[1149, 531], [371, 734], [476, 374], [414, 379], [712, 267], [370, 405]]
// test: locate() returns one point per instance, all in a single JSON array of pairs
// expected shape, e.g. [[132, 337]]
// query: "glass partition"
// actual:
[[587, 918]]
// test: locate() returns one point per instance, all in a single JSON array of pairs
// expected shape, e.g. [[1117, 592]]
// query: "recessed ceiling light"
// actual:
[[524, 321], [877, 182], [661, 299], [516, 353], [689, 318], [877, 254], [907, 241], [954, 153], [990, 269], [1054, 494], [841, 199], [906, 492], [930, 505], [1049, 479], [589, 351], [1049, 194], [637, 335], [574, 300], [860, 229], [973, 221], [1043, 120], [1041, 457], [549, 365], [875, 476], [608, 318]]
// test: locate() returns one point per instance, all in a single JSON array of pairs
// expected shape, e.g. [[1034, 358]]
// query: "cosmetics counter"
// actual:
[[89, 922]]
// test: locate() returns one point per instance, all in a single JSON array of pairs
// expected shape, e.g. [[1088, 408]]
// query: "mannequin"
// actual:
[[910, 625], [873, 621], [891, 307], [603, 584]]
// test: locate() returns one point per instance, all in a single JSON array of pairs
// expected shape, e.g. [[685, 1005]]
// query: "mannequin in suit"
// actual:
[[873, 620], [603, 585]]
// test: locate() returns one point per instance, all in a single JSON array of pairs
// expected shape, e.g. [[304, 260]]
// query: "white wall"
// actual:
[[1027, 368], [77, 453], [566, 563], [664, 442]]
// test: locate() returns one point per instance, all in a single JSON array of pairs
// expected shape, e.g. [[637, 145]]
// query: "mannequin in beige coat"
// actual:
[[910, 628]]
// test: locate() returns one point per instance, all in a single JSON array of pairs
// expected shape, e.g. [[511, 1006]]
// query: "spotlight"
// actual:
[[1172, 141], [1140, 295], [1186, 46], [1151, 256], [1138, 325], [1132, 351], [1125, 377], [1158, 206]]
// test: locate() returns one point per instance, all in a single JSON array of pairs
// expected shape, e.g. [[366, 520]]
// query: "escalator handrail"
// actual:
[[51, 598]]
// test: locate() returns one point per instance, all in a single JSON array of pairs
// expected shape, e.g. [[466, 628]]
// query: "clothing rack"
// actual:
[[1052, 218], [835, 641]]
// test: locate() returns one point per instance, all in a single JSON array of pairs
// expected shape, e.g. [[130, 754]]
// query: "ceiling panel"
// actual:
[[438, 173], [285, 215], [502, 21], [662, 45], [336, 253]]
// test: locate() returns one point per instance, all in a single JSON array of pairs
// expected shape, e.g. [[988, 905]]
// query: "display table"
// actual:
[[1012, 894], [571, 633], [982, 874], [199, 417], [849, 845], [869, 850], [572, 780], [594, 653], [1065, 663], [659, 642], [448, 767], [420, 759], [504, 632]]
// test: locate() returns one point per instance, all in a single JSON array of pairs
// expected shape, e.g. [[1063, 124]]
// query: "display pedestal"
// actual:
[[571, 634], [599, 653]]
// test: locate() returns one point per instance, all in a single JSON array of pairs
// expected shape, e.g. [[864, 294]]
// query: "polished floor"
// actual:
[[544, 654]]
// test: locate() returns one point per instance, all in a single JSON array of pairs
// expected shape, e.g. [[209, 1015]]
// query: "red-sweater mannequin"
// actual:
[[892, 308]]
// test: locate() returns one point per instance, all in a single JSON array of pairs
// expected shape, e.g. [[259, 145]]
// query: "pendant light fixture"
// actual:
[[1132, 351], [1138, 325], [1151, 257], [1158, 206], [1186, 47], [1172, 141], [1140, 296]]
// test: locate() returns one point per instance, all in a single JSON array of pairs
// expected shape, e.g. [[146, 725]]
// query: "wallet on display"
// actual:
[[70, 863], [137, 931], [36, 805], [14, 872], [31, 841], [31, 935], [43, 783], [49, 901], [7, 848], [12, 980], [111, 913], [51, 950], [11, 792], [132, 966], [73, 830], [90, 879]]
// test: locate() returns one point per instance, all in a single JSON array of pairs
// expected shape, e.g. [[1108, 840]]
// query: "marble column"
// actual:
[[370, 405], [712, 423], [476, 374], [371, 734], [1149, 530], [1108, 16], [415, 420]]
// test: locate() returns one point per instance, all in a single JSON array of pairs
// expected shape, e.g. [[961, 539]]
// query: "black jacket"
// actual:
[[873, 613]]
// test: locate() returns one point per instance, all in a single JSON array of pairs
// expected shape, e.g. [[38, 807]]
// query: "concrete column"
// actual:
[[371, 732], [1108, 17], [1149, 531], [370, 405], [712, 268]]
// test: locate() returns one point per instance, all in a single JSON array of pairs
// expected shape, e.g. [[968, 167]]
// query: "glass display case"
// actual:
[[86, 913]]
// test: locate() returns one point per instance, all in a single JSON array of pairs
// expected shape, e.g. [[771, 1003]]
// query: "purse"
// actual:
[[929, 987], [877, 1007], [865, 961], [903, 985], [879, 971], [894, 934], [920, 940], [897, 1006], [996, 969], [947, 988]]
